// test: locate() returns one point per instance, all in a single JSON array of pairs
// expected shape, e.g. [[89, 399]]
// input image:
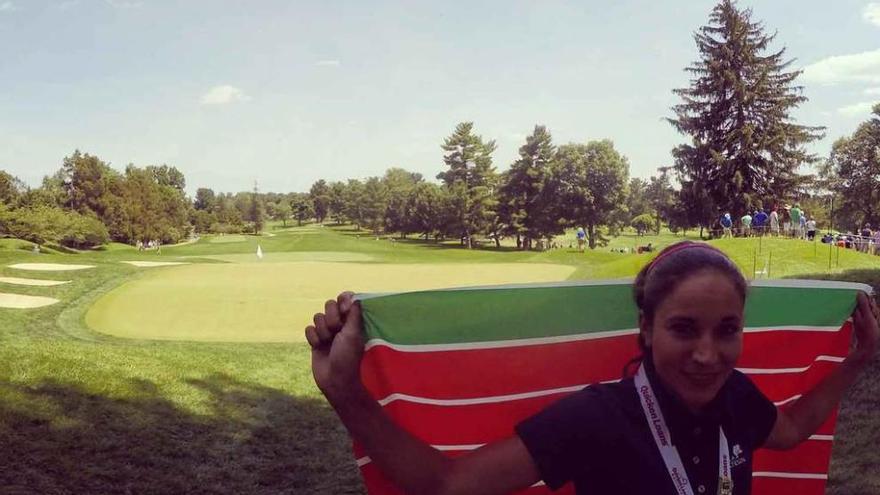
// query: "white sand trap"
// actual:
[[32, 281], [149, 264], [19, 301], [49, 267]]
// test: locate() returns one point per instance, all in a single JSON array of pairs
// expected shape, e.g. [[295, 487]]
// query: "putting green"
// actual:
[[273, 302]]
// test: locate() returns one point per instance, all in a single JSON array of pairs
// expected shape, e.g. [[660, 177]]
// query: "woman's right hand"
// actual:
[[337, 344]]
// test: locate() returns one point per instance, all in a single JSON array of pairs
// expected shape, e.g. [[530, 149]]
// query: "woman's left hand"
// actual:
[[867, 331]]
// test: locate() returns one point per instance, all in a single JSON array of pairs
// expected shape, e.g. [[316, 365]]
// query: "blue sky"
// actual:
[[286, 93]]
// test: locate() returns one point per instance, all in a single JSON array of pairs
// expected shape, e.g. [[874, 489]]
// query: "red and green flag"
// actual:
[[458, 368]]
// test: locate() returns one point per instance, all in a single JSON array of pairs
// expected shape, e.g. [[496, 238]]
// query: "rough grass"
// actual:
[[82, 412]]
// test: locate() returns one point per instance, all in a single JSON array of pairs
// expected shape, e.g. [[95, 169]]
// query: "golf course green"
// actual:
[[270, 302], [193, 378]]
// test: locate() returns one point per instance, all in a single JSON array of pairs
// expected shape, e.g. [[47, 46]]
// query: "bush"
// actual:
[[44, 224], [643, 223]]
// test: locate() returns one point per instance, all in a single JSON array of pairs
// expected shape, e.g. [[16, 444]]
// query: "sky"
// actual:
[[285, 93]]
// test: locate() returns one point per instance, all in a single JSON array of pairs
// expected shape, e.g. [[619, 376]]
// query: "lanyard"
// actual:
[[660, 431]]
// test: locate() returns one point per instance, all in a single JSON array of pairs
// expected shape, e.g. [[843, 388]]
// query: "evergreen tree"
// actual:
[[470, 180], [354, 202], [524, 205], [256, 211], [320, 196], [374, 204], [744, 143], [661, 197], [337, 201]]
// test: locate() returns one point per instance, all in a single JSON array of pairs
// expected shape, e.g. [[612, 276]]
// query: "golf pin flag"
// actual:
[[459, 368], [259, 252]]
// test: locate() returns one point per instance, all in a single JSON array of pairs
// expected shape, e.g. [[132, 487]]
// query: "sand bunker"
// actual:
[[32, 281], [19, 301], [49, 267], [149, 264]]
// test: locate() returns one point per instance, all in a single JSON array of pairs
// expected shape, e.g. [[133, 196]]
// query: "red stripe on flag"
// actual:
[[379, 485], [486, 372], [787, 486], [811, 456], [510, 370]]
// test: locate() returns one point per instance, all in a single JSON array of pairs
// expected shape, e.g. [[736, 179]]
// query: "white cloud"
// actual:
[[7, 6], [858, 67], [872, 91], [221, 95], [858, 109], [328, 63], [872, 13]]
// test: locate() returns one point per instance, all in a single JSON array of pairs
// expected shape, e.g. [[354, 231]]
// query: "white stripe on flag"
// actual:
[[499, 344], [824, 438], [559, 339], [478, 400], [777, 371], [802, 476], [395, 396], [793, 328], [786, 401]]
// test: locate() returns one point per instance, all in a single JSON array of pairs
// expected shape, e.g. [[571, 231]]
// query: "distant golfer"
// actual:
[[582, 238]]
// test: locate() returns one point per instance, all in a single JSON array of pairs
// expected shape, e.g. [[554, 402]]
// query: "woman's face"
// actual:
[[696, 336]]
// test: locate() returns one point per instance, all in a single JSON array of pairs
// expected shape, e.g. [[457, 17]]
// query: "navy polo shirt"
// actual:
[[599, 438]]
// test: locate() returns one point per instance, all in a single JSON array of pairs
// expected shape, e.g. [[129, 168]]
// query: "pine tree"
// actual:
[[257, 211], [523, 204], [470, 180], [744, 144]]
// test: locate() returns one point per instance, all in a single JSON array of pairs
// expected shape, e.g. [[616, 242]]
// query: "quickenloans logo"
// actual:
[[655, 419]]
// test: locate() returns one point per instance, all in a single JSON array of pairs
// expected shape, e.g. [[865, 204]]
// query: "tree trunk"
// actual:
[[497, 241], [591, 233]]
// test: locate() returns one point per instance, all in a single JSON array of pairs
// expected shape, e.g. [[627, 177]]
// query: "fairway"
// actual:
[[273, 302]]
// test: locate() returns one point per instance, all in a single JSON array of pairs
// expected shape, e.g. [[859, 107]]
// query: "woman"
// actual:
[[613, 438]]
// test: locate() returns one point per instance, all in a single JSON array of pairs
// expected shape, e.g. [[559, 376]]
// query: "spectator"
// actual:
[[774, 222], [746, 225], [865, 237], [811, 229], [726, 224], [795, 214], [759, 222]]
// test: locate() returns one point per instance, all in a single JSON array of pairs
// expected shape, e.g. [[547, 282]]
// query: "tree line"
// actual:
[[743, 151]]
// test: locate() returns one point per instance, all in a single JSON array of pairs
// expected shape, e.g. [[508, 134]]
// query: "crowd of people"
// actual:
[[793, 222], [788, 221]]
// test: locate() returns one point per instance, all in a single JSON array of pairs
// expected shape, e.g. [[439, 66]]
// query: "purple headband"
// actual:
[[681, 247]]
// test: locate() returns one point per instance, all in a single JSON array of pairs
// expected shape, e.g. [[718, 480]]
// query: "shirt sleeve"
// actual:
[[564, 439], [758, 411]]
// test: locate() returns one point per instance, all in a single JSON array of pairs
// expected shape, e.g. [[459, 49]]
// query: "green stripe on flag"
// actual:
[[506, 313]]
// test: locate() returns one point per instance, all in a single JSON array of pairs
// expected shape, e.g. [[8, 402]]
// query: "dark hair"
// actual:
[[671, 267]]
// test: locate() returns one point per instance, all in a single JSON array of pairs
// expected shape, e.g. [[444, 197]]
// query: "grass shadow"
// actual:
[[58, 438]]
